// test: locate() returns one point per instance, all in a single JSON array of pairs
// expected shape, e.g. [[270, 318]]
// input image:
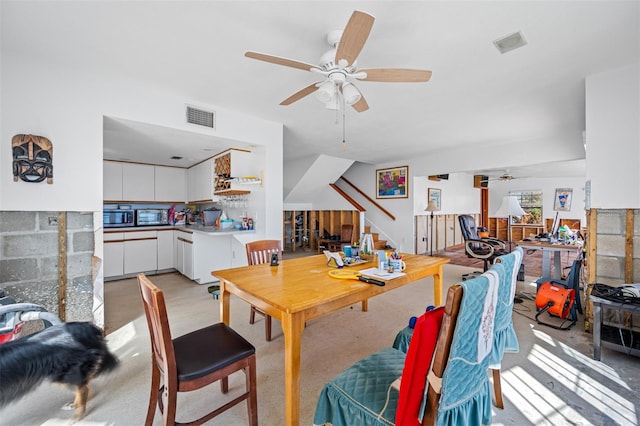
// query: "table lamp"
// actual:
[[510, 207], [431, 207]]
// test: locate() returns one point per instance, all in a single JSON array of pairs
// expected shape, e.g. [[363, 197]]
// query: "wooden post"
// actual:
[[62, 266], [628, 248]]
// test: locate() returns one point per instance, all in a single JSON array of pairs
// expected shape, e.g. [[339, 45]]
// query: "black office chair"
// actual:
[[485, 249]]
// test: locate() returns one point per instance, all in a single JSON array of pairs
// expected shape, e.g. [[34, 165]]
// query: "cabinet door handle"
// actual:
[[186, 241]]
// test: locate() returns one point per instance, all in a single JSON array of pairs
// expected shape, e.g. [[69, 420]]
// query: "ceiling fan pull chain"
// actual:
[[344, 142]]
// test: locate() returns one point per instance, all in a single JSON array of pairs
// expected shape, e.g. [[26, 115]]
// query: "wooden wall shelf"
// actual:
[[232, 192]]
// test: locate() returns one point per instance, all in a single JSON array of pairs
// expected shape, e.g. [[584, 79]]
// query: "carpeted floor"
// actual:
[[553, 380]]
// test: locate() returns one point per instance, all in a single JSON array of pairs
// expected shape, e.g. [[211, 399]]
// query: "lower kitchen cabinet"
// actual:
[[113, 263], [140, 252], [183, 253], [165, 250]]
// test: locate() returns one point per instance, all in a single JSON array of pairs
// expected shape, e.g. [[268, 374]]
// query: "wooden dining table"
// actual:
[[300, 289]]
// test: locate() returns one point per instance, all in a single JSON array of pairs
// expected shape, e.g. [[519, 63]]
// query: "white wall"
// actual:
[[613, 137], [458, 194], [498, 189], [67, 106]]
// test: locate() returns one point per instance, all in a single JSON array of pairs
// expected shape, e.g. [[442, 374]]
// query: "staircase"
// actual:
[[377, 243]]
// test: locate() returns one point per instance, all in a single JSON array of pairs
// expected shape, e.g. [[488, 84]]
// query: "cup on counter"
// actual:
[[347, 251], [398, 264]]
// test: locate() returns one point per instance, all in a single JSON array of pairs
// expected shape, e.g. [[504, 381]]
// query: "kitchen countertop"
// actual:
[[207, 230]]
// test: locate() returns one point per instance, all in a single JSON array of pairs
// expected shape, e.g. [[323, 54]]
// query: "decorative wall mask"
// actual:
[[32, 158]]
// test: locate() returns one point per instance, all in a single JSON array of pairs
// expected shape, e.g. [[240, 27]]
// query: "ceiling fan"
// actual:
[[506, 176], [339, 67]]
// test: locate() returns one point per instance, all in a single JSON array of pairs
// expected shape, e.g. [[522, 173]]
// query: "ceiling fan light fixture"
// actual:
[[350, 93], [333, 104], [325, 92]]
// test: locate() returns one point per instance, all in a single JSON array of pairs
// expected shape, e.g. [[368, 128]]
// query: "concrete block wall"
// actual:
[[29, 260], [610, 246]]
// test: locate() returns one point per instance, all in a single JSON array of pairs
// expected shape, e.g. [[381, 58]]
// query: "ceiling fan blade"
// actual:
[[300, 94], [354, 36], [361, 105], [280, 61], [396, 75]]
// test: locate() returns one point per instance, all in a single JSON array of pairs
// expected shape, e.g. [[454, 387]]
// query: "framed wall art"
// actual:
[[435, 194], [562, 200], [392, 182]]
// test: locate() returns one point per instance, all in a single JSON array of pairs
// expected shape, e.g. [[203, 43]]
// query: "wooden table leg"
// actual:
[[437, 287], [292, 326], [224, 303]]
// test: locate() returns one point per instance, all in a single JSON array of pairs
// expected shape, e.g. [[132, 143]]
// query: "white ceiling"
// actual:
[[476, 96]]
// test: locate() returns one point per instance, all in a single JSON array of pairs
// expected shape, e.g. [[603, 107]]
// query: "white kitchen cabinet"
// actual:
[[234, 164], [165, 250], [210, 252], [113, 252], [140, 252], [112, 180], [200, 182], [183, 246], [138, 182], [170, 184], [188, 263]]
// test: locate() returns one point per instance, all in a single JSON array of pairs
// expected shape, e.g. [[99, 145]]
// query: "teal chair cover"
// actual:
[[506, 340], [466, 393]]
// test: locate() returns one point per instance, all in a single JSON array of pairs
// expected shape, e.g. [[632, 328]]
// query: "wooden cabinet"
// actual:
[[170, 184], [499, 228], [140, 252]]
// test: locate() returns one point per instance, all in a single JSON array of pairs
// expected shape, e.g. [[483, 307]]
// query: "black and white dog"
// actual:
[[70, 353]]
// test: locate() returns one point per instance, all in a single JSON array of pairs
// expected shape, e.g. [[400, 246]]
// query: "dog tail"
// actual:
[[109, 362]]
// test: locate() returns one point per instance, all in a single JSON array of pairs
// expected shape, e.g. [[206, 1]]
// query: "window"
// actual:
[[531, 202]]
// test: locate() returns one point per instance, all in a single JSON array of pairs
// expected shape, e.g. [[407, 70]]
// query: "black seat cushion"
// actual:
[[209, 349]]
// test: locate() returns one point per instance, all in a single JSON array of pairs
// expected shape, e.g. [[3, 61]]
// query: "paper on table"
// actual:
[[375, 273]]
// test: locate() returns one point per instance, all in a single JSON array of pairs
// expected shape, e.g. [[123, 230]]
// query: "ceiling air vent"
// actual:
[[510, 42], [201, 117]]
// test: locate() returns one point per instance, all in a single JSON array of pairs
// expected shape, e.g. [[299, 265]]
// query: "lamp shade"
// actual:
[[325, 91], [432, 206], [350, 93], [510, 207]]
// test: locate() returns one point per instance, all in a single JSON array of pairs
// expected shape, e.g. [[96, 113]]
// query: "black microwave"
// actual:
[[117, 218]]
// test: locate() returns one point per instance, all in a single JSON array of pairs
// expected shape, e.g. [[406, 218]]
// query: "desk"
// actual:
[[547, 249], [299, 290], [598, 342]]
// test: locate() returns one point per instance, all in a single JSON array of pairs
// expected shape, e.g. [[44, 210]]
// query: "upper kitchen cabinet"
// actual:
[[112, 180], [200, 182], [136, 182], [170, 184], [232, 168]]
